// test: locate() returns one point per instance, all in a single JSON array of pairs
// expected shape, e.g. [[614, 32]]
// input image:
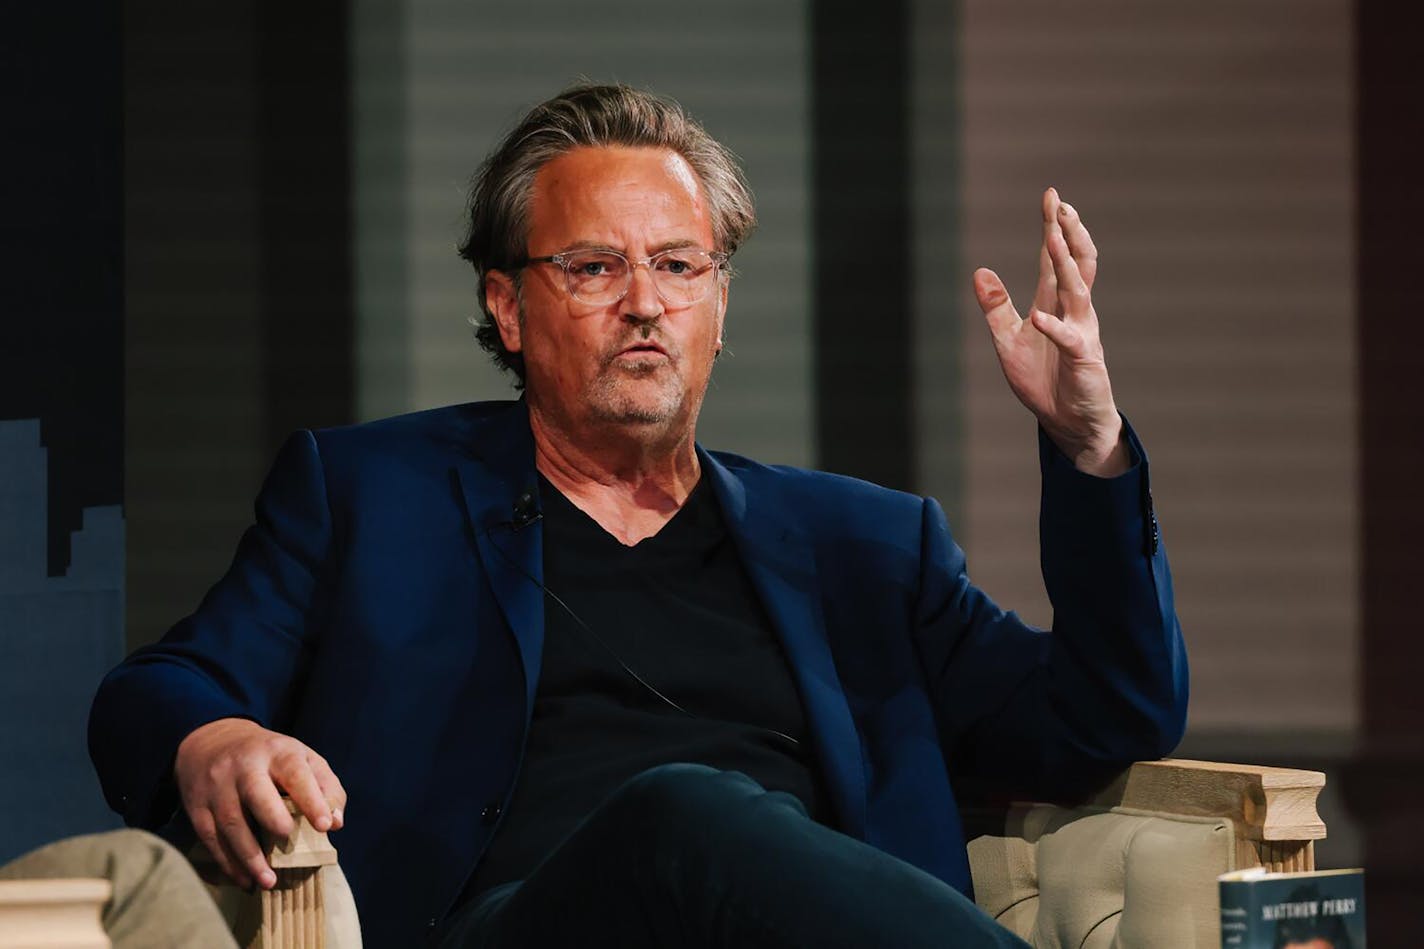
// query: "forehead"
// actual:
[[619, 196]]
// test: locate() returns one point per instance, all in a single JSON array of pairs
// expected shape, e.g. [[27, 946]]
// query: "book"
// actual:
[[1322, 909]]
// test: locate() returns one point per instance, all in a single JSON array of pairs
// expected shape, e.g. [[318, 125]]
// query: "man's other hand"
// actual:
[[234, 767], [1054, 360]]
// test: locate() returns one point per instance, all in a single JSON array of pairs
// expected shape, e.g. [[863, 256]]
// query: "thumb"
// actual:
[[994, 300]]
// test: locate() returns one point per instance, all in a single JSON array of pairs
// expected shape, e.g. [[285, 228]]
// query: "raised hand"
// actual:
[[1054, 359], [233, 767]]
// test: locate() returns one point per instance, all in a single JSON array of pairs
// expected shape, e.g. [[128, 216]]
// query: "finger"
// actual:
[[237, 836], [1073, 296], [206, 828], [295, 776], [1045, 297], [242, 878], [331, 788], [994, 300], [1080, 242], [1060, 333], [261, 799]]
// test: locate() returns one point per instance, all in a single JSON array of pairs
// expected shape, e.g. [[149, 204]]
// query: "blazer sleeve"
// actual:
[[1055, 713], [240, 654]]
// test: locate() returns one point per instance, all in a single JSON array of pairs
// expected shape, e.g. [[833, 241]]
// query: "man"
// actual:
[[588, 683]]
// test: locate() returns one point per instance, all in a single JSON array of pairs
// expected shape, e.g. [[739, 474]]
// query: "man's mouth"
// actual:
[[644, 346]]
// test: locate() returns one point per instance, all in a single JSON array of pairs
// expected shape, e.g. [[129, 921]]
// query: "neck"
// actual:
[[630, 479]]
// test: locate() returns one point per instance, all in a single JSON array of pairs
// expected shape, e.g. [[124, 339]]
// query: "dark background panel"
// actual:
[[61, 314], [862, 288], [1383, 785], [195, 425], [240, 321], [304, 213]]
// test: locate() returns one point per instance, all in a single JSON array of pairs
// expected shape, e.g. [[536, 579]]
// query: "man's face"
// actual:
[[640, 362]]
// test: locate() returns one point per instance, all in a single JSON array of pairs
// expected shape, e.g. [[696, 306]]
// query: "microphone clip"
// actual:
[[526, 511]]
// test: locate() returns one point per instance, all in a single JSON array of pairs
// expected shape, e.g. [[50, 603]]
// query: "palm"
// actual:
[[1053, 360], [1052, 383]]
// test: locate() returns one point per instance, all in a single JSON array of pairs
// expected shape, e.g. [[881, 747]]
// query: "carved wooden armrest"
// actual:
[[55, 912], [291, 915], [293, 911], [1272, 809]]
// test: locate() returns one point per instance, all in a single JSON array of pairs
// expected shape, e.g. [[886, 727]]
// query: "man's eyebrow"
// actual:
[[678, 244], [587, 245]]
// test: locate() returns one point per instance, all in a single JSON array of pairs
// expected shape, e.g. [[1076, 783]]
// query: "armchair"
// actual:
[[1133, 866], [1136, 864]]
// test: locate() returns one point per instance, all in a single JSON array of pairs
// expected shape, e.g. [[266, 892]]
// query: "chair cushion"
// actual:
[[1089, 878]]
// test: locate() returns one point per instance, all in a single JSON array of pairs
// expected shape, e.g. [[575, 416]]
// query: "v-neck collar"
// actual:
[[681, 524]]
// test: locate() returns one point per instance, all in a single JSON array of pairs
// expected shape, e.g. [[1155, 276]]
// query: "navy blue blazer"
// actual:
[[383, 610]]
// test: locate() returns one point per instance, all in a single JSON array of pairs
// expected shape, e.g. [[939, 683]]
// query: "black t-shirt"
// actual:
[[679, 610]]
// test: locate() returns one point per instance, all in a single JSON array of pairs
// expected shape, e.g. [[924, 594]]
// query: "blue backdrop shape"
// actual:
[[58, 636]]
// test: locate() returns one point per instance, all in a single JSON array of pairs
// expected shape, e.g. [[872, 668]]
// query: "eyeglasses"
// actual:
[[682, 276]]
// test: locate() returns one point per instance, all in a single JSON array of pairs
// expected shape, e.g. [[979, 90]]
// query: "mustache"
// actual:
[[639, 335]]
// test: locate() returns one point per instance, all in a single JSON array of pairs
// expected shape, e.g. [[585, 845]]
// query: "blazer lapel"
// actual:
[[781, 563], [494, 470]]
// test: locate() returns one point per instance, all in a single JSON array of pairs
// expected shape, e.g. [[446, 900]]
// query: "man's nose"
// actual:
[[642, 298]]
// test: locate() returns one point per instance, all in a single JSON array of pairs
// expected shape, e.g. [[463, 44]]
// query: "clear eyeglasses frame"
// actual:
[[682, 276]]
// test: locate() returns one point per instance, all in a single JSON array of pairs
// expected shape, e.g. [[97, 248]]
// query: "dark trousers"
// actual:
[[686, 855]]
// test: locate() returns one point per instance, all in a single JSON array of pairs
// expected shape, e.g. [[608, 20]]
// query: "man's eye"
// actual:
[[595, 265], [680, 265]]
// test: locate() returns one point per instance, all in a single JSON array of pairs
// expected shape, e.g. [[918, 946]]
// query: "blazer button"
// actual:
[[491, 813]]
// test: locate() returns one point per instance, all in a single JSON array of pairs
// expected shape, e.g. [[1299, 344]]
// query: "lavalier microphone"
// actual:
[[526, 511]]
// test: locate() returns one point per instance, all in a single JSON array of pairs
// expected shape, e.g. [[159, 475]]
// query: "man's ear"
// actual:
[[721, 312], [502, 300]]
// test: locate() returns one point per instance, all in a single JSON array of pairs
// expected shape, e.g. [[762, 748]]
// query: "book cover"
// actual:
[[1324, 909]]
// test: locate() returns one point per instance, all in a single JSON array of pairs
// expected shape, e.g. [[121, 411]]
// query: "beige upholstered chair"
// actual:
[[1136, 865], [1133, 867]]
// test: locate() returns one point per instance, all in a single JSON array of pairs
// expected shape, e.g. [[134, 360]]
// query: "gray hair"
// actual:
[[588, 115]]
